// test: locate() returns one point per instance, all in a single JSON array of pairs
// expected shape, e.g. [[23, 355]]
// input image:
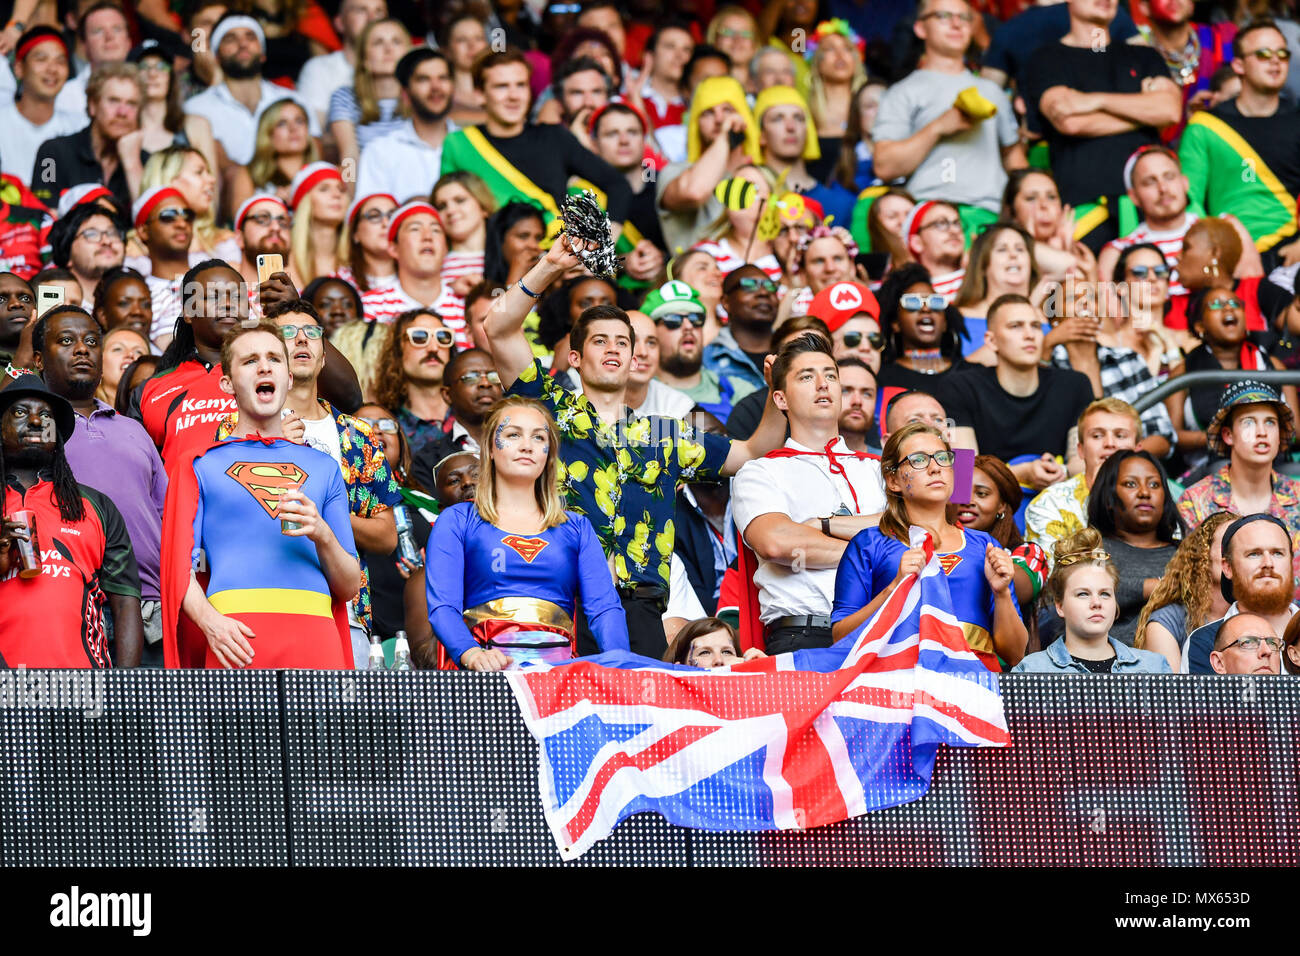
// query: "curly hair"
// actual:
[[890, 295], [1188, 579], [390, 381]]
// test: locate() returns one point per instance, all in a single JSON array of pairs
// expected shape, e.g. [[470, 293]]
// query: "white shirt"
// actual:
[[683, 602], [320, 77], [1233, 611], [72, 98], [22, 137], [661, 399], [400, 164], [672, 142], [8, 85], [802, 487], [233, 124]]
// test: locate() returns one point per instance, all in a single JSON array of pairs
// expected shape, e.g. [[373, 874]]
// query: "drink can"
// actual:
[[288, 524], [29, 551]]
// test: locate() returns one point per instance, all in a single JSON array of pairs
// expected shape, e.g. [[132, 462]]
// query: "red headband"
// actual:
[[36, 41], [595, 117], [154, 201], [406, 212], [312, 180]]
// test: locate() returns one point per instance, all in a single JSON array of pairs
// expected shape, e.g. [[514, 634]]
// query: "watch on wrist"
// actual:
[[826, 527], [16, 25]]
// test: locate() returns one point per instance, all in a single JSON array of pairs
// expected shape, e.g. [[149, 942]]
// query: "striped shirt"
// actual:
[[1126, 376], [166, 297], [344, 106], [730, 259], [948, 284], [459, 264], [385, 305], [1169, 242], [375, 282]]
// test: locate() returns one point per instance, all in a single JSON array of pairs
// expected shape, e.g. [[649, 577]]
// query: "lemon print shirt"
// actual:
[[624, 476]]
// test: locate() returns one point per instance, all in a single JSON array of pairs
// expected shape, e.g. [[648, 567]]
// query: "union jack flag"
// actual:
[[793, 741]]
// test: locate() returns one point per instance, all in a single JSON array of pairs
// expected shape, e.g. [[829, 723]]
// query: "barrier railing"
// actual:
[[325, 769]]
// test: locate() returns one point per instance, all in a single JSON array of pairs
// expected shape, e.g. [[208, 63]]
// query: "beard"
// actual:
[[1264, 596], [426, 115], [236, 70], [679, 366], [80, 390]]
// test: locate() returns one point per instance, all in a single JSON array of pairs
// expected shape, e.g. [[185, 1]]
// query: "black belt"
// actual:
[[821, 621]]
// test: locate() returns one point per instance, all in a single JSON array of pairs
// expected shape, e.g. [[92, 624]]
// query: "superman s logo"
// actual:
[[267, 481], [526, 548], [948, 562]]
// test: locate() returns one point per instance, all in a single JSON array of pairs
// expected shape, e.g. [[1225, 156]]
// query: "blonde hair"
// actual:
[[547, 487], [163, 167], [894, 522], [263, 167], [364, 82], [1111, 406], [301, 252], [472, 185], [1082, 549], [715, 25], [817, 102]]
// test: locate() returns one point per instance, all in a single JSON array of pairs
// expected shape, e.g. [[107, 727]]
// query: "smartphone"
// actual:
[[47, 297], [268, 265], [736, 139]]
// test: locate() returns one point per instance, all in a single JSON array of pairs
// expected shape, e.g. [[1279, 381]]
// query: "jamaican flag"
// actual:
[[1226, 174], [469, 149]]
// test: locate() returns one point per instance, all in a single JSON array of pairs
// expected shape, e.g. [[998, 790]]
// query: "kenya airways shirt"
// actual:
[[182, 409]]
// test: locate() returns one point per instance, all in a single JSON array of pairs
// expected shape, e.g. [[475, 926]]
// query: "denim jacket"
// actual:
[[1128, 660], [725, 357]]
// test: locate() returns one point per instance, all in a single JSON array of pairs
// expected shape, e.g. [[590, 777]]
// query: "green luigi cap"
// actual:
[[672, 298]]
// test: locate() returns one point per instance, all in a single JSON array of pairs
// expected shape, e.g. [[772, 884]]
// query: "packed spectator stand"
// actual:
[[307, 365]]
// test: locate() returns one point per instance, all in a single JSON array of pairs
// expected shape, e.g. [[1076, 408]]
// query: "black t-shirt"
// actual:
[[1276, 138], [1089, 166], [1016, 41], [1007, 425], [549, 155], [894, 375], [387, 586], [1097, 667], [746, 414]]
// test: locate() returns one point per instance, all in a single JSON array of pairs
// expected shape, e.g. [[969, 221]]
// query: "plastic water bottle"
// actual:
[[401, 653], [406, 546], [376, 655]]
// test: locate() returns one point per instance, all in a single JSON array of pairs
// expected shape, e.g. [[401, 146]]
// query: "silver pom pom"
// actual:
[[589, 234]]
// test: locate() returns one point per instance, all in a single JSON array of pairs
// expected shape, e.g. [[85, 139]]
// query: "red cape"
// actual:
[[183, 643]]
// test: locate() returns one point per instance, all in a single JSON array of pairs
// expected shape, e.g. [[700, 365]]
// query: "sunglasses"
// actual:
[[473, 378], [1232, 302], [915, 302], [290, 332], [1264, 53], [264, 219], [172, 214], [755, 284], [675, 321], [1143, 272], [383, 424], [853, 339], [420, 337], [919, 459]]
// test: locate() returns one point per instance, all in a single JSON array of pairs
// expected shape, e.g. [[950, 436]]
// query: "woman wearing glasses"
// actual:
[[1140, 319], [319, 200], [369, 264], [284, 145], [506, 570], [922, 334], [917, 466], [1083, 586], [734, 31]]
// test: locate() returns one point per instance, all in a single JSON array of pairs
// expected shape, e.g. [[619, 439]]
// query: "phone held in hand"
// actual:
[[268, 265]]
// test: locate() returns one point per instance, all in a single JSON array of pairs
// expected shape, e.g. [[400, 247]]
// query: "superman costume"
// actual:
[[516, 593], [222, 519], [870, 563]]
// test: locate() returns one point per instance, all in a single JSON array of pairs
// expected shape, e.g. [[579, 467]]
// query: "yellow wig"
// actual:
[[712, 92]]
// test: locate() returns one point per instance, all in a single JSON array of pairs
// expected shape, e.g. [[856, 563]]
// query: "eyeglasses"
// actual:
[[1231, 302], [264, 219], [376, 216], [916, 302], [1252, 643], [676, 320], [101, 235], [736, 34], [420, 337], [943, 16], [919, 459], [1143, 272], [755, 284], [562, 8], [172, 214], [290, 332], [1265, 53], [853, 339], [943, 225], [386, 425], [473, 378]]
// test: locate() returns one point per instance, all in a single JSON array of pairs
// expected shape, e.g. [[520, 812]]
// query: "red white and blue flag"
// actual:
[[794, 741]]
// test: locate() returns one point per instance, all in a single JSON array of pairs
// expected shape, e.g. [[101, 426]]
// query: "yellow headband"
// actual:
[[789, 96]]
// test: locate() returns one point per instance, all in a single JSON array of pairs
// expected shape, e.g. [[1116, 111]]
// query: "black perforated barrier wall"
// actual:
[[303, 768]]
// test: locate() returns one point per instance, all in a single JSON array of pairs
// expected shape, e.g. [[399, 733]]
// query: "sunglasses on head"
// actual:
[[290, 332], [915, 302], [1143, 272], [174, 213], [754, 284], [420, 337], [473, 378], [675, 321], [853, 339], [383, 424]]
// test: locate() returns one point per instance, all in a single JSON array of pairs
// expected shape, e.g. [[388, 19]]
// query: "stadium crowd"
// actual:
[[303, 364]]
